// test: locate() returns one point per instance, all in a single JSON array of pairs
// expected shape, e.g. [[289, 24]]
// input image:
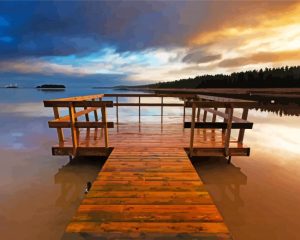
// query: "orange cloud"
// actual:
[[262, 57], [238, 19]]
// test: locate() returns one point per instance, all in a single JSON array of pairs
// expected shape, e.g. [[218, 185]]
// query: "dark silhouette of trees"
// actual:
[[284, 77]]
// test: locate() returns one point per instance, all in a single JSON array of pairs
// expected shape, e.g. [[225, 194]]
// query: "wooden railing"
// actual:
[[80, 111], [87, 104], [213, 105], [140, 104]]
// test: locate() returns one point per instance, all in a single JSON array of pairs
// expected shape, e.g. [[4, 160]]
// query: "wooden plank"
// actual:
[[220, 125], [221, 99], [80, 98], [66, 124], [149, 104], [127, 199], [236, 104], [149, 95], [81, 151], [97, 104], [65, 102], [219, 152], [76, 115], [225, 116], [188, 227]]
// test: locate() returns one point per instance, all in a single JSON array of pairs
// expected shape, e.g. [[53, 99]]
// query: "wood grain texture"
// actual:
[[148, 193], [208, 142]]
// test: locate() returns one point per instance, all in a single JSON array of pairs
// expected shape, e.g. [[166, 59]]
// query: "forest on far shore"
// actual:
[[284, 77]]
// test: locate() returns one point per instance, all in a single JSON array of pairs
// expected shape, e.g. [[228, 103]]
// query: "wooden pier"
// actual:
[[148, 188]]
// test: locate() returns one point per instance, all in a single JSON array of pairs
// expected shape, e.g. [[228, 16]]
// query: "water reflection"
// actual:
[[227, 178], [288, 109], [254, 194], [73, 177], [224, 182]]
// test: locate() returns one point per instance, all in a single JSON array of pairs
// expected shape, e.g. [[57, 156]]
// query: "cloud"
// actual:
[[200, 57], [262, 57], [146, 40]]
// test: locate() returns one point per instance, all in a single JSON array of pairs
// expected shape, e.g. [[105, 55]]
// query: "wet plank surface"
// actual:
[[210, 141], [148, 193]]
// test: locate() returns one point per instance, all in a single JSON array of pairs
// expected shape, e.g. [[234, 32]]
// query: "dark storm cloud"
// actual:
[[62, 28]]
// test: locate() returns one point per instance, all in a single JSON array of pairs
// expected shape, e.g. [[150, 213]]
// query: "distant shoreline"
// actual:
[[247, 93]]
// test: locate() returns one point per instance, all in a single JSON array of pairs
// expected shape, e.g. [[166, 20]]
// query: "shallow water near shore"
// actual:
[[258, 196]]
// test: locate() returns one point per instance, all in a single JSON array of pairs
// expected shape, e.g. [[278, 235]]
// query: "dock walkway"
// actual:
[[149, 193], [148, 188]]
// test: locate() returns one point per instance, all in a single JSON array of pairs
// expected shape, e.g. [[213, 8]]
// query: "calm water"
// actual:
[[258, 196]]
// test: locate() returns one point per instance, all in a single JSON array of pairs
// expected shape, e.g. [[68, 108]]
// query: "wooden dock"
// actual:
[[149, 193], [148, 188]]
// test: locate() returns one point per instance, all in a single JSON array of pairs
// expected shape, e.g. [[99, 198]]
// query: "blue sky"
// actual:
[[136, 42]]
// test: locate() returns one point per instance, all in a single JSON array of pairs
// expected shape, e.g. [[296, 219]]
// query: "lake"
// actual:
[[258, 196]]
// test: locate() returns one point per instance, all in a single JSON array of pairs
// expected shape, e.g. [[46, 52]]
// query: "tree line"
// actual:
[[284, 77]]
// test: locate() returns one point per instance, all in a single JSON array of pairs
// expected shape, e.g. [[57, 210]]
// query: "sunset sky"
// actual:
[[134, 42]]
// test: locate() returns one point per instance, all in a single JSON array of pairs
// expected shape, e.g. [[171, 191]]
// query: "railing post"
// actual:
[[161, 110], [198, 114], [226, 114], [192, 129], [117, 109], [103, 110], [87, 118], [95, 113], [204, 116], [228, 131], [214, 115], [139, 109], [183, 112], [242, 131], [74, 132], [60, 132]]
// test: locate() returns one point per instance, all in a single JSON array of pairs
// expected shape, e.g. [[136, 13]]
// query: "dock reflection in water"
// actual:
[[73, 177], [224, 182]]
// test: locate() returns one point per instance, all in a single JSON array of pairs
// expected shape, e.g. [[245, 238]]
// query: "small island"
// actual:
[[51, 87]]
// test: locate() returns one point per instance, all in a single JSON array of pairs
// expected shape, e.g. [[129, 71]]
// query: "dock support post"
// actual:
[[60, 132], [242, 131], [192, 130], [139, 109], [229, 160], [228, 131]]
